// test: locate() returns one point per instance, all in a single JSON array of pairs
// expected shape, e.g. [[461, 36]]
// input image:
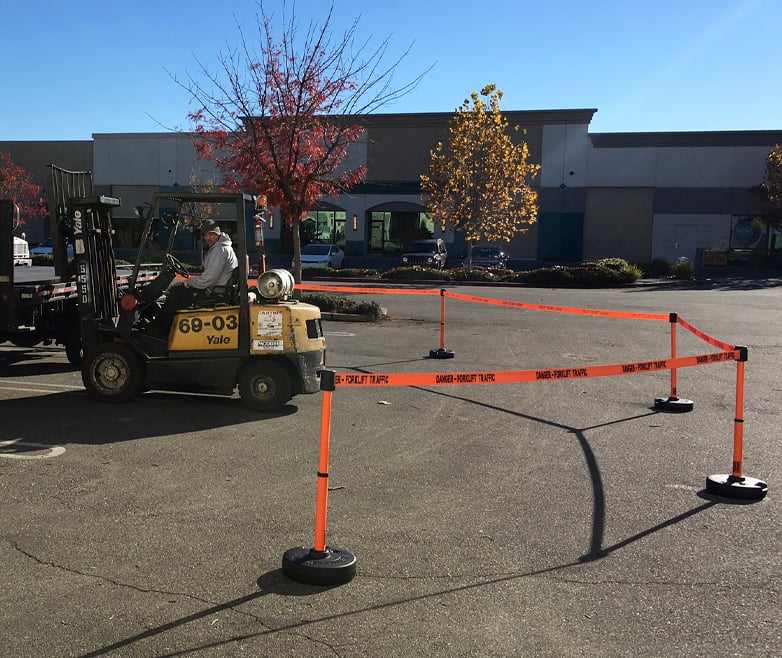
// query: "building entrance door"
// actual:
[[686, 241]]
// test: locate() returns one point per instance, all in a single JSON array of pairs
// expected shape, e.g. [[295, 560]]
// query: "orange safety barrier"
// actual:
[[321, 503], [738, 424], [321, 564], [516, 376], [372, 291], [561, 309], [704, 337], [324, 565]]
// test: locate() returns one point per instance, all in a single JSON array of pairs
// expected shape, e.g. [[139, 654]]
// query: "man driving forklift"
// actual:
[[220, 265]]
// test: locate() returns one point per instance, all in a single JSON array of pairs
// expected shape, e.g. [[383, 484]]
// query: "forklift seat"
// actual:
[[227, 294]]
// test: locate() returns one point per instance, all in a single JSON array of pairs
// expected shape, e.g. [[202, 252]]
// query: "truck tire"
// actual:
[[265, 385], [73, 351], [113, 373], [30, 339]]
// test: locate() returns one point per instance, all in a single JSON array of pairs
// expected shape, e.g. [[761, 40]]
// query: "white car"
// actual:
[[321, 255]]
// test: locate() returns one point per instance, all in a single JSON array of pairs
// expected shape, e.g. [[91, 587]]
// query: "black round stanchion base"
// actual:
[[334, 566], [729, 486], [678, 405], [441, 353]]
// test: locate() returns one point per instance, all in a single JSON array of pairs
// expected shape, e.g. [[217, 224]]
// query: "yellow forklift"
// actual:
[[259, 340]]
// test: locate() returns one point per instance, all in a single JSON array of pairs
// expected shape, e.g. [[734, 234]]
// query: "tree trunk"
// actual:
[[295, 223]]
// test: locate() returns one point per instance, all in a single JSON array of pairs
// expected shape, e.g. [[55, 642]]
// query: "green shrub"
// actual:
[[480, 274], [685, 271], [416, 273], [43, 260], [359, 273], [661, 267], [588, 275], [618, 264], [337, 304], [546, 276], [633, 273]]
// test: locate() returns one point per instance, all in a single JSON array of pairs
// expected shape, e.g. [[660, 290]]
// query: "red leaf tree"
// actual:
[[277, 118], [17, 185]]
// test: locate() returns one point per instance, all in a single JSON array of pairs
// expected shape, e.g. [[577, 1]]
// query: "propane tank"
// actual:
[[276, 285]]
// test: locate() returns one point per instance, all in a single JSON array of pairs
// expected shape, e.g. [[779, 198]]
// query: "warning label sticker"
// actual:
[[270, 323], [268, 345]]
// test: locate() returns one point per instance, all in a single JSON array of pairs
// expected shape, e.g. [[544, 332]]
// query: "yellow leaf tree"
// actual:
[[479, 182], [772, 186]]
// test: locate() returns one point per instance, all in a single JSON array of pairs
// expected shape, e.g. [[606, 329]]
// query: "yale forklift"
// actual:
[[260, 341]]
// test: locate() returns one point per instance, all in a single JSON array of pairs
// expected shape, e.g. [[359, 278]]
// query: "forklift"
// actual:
[[259, 340]]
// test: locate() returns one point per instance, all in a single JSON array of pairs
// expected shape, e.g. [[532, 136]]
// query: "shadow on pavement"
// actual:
[[74, 418], [276, 582]]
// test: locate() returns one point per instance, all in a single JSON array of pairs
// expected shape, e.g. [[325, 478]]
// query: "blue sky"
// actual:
[[80, 67]]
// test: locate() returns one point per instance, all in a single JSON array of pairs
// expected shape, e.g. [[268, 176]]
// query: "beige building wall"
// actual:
[[399, 146], [618, 223], [398, 149]]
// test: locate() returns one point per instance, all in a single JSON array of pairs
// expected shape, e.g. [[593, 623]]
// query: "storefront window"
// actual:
[[390, 230], [326, 226], [754, 239]]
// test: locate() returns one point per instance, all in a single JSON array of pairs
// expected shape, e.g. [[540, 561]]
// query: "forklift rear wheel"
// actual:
[[265, 385], [113, 373]]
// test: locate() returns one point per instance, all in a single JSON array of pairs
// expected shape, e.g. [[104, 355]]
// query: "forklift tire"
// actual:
[[264, 385], [113, 373]]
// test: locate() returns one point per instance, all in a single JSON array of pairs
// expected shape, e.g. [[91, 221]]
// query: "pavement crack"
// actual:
[[137, 588], [479, 579], [214, 608]]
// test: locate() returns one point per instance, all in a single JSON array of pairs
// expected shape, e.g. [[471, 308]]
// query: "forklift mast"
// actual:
[[96, 269], [63, 185], [85, 221]]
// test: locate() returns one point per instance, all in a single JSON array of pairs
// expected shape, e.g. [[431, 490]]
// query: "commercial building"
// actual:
[[638, 196]]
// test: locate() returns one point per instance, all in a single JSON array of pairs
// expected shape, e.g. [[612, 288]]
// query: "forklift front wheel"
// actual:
[[113, 373], [264, 385]]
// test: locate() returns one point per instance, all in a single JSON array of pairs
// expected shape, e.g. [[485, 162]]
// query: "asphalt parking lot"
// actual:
[[551, 518]]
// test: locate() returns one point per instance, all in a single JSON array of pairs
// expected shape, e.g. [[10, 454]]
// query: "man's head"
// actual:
[[211, 231]]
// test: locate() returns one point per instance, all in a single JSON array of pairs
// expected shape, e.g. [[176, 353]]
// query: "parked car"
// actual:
[[21, 252], [489, 257], [426, 253], [46, 248], [321, 255]]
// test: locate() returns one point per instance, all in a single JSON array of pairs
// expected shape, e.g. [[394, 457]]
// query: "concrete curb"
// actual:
[[346, 317]]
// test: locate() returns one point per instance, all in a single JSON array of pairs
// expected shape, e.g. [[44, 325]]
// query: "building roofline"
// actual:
[[684, 139], [528, 117]]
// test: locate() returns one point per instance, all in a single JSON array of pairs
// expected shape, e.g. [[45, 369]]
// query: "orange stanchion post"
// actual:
[[441, 352], [735, 484], [673, 402], [321, 564]]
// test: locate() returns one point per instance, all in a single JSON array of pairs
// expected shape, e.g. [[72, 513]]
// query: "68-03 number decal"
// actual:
[[217, 323]]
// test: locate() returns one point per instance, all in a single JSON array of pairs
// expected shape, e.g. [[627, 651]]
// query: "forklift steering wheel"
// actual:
[[172, 262]]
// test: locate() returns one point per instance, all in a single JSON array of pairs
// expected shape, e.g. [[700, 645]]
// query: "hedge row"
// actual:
[[609, 272]]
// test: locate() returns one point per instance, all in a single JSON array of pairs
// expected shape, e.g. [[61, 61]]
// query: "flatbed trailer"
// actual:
[[39, 305], [44, 310]]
